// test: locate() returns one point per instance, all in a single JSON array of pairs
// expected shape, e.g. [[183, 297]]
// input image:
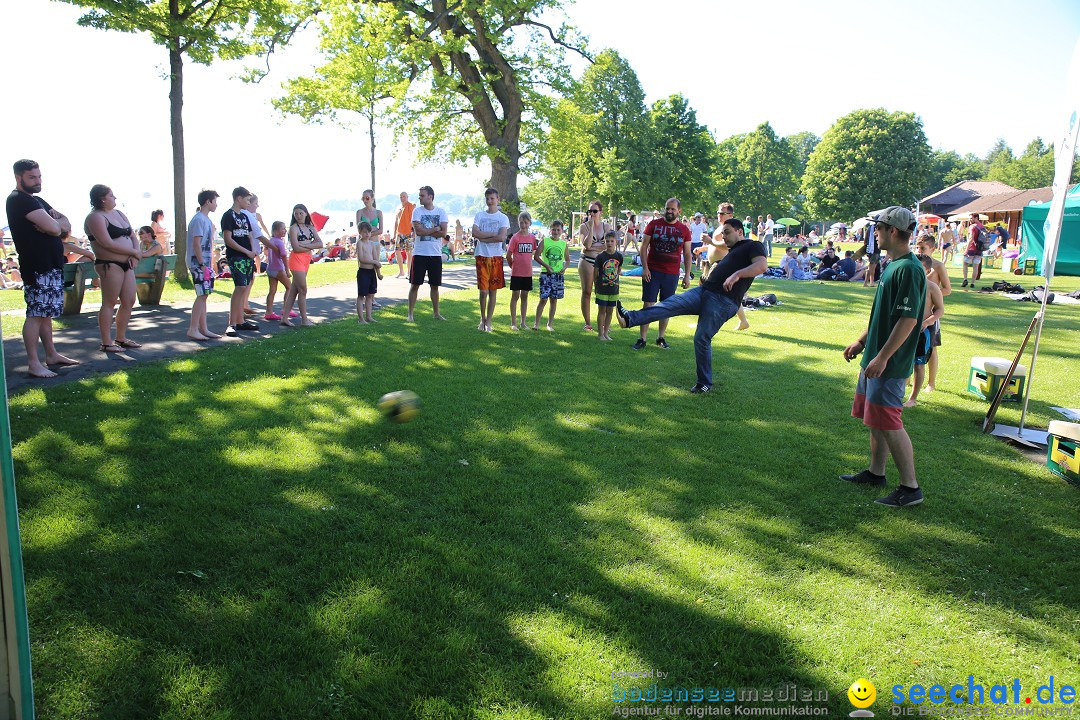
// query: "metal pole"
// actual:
[[1034, 354]]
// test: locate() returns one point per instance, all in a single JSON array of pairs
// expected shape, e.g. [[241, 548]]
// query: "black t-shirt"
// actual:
[[237, 223], [741, 256], [38, 251], [828, 261]]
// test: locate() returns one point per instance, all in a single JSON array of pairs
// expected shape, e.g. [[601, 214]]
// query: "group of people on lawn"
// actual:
[[900, 328]]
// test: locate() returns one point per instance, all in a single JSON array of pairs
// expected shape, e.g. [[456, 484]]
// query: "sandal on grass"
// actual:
[[131, 344], [111, 348]]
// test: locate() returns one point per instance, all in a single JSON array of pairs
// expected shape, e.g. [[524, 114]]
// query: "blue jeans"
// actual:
[[767, 242], [712, 309]]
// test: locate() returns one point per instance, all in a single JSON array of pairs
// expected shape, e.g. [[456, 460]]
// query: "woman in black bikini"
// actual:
[[592, 233], [117, 250]]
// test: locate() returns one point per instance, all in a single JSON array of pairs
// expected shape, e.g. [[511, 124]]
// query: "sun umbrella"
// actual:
[[928, 218], [837, 226], [860, 223], [787, 221]]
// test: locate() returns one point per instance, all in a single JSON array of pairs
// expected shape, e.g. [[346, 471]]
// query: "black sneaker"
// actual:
[[964, 284], [624, 317], [231, 331], [247, 325], [701, 388], [865, 478], [639, 345], [901, 497], [661, 342]]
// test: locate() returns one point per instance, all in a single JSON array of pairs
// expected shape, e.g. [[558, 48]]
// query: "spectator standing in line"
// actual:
[[404, 229], [200, 236], [37, 231], [489, 231], [974, 251], [429, 225], [663, 244]]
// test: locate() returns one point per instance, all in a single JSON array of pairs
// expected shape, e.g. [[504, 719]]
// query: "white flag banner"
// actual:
[[1063, 161]]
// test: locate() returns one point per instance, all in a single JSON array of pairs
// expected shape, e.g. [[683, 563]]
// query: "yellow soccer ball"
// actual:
[[400, 406]]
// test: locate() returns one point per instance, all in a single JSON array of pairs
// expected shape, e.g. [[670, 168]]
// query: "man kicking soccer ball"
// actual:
[[715, 301]]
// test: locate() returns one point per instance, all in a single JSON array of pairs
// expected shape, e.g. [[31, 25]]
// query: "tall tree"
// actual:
[[867, 160], [480, 75], [361, 74], [201, 30], [689, 150], [610, 95], [802, 144], [766, 168]]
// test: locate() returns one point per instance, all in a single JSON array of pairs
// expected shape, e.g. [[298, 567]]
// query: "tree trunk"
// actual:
[[504, 178], [176, 123], [371, 134]]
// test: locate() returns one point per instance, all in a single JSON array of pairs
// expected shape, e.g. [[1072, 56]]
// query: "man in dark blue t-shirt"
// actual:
[[715, 301]]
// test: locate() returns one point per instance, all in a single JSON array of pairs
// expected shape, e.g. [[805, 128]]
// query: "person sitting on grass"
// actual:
[[935, 308]]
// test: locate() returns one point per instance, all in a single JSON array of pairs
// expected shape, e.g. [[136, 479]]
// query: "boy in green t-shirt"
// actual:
[[553, 254], [888, 348]]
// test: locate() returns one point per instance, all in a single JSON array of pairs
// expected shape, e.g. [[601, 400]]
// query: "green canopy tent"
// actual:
[[1034, 234]]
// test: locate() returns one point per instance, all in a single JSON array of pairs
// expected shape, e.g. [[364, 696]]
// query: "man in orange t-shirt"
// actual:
[[403, 228]]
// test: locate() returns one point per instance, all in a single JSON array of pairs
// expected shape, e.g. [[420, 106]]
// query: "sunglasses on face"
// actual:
[[594, 210]]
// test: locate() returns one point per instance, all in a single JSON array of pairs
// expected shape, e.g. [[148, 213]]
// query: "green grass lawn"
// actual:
[[238, 534]]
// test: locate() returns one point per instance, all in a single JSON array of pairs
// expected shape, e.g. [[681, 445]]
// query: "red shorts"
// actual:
[[489, 273], [879, 402]]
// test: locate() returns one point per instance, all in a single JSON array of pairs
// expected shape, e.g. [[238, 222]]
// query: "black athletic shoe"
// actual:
[[661, 342], [701, 388], [965, 284], [624, 317], [247, 325], [231, 331], [639, 345], [865, 478], [901, 497]]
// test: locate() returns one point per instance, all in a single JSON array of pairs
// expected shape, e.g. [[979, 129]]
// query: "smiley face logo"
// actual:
[[862, 693]]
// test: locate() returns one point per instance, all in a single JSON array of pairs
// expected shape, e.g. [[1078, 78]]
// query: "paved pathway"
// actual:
[[163, 329]]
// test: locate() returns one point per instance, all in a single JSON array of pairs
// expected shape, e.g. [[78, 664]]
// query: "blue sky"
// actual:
[[973, 71]]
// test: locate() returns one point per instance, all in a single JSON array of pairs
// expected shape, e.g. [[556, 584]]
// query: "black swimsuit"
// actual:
[[115, 233]]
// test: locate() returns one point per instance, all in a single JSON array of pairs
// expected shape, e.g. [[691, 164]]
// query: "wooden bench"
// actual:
[[77, 276]]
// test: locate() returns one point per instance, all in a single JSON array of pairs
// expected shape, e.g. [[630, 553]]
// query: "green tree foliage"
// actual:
[[569, 170], [766, 171], [603, 116], [867, 160], [480, 75], [802, 144], [686, 154], [362, 76], [201, 30]]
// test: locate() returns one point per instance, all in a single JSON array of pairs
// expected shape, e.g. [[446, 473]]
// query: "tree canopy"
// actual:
[[202, 30], [483, 78], [867, 160]]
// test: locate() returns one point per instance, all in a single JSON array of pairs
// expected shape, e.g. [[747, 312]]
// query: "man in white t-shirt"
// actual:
[[489, 230], [697, 229], [770, 228], [429, 225]]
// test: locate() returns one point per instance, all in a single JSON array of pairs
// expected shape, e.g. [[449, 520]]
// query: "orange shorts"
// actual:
[[489, 273], [299, 261]]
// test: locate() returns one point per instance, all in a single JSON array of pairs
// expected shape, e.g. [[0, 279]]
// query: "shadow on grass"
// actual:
[[238, 533]]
